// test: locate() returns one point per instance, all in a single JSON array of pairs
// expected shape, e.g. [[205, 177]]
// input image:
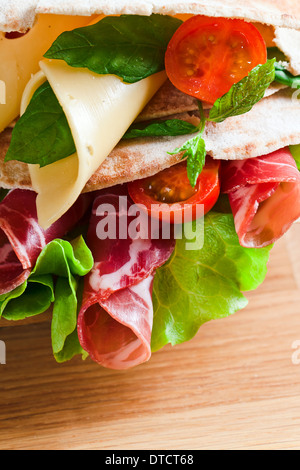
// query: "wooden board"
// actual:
[[234, 386]]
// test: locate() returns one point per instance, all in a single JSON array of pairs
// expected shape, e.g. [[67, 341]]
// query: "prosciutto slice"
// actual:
[[116, 317], [21, 237], [264, 195]]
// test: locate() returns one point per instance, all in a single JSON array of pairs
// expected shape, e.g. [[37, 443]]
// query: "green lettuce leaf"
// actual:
[[33, 297], [42, 135], [129, 46], [295, 150], [196, 286], [54, 279]]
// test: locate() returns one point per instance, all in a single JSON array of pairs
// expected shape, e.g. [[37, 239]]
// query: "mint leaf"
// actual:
[[131, 47], [245, 94], [205, 284], [42, 135], [171, 127], [195, 152], [295, 151]]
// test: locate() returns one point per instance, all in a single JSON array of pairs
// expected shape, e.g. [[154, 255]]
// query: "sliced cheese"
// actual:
[[34, 83], [20, 58], [99, 109]]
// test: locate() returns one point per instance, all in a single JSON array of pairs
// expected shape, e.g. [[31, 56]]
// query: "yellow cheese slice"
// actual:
[[99, 110], [20, 58]]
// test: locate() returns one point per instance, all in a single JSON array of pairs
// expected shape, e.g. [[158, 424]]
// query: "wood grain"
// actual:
[[234, 386]]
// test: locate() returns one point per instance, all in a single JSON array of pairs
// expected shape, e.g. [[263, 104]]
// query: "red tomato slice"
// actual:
[[206, 56], [169, 195]]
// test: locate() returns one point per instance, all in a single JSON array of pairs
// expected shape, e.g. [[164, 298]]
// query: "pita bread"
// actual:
[[273, 123], [288, 41], [169, 100], [19, 15]]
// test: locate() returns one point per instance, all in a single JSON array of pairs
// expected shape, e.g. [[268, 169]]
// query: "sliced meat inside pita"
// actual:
[[264, 195], [117, 298]]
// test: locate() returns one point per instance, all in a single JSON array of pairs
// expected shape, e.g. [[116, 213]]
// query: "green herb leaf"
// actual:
[[42, 135], [285, 77], [195, 152], [245, 94], [281, 73], [275, 53], [3, 193], [295, 150], [172, 127], [196, 286], [131, 47]]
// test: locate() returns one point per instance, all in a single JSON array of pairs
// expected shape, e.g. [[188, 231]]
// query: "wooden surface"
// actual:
[[234, 386]]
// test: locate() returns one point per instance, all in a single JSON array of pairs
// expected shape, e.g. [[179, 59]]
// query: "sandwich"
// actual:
[[149, 160]]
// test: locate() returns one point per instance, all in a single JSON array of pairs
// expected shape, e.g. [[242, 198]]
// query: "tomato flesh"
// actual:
[[170, 186], [206, 56], [169, 194]]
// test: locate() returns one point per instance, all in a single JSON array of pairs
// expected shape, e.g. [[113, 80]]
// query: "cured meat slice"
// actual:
[[117, 332], [21, 237], [264, 195], [116, 317], [121, 260]]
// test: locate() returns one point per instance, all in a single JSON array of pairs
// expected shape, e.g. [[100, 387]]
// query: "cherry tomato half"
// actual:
[[169, 195], [206, 56]]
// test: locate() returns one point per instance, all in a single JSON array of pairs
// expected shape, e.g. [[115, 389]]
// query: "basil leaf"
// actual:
[[131, 47], [285, 77], [204, 284], [245, 94], [172, 127], [42, 135]]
